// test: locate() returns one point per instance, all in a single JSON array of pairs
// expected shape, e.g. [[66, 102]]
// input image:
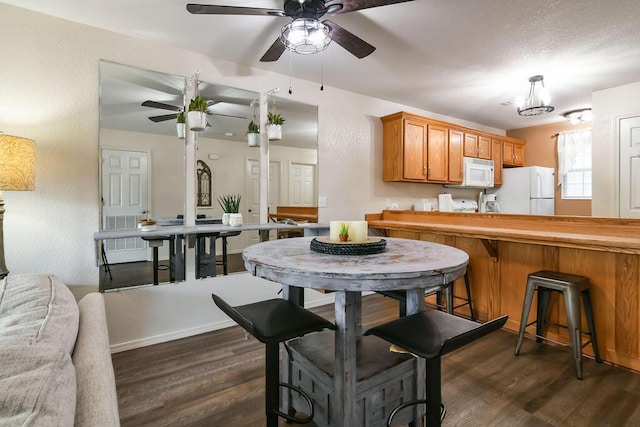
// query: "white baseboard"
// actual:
[[184, 333]]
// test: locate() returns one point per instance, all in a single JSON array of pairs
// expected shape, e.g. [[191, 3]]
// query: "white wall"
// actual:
[[608, 107], [49, 92]]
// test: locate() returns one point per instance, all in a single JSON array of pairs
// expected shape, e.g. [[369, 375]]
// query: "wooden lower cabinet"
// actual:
[[498, 287]]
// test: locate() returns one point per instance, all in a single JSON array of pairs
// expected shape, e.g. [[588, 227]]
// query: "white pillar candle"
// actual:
[[358, 231], [334, 230]]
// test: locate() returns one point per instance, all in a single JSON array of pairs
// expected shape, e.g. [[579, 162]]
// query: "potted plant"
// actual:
[[196, 116], [180, 125], [230, 204], [274, 125], [253, 134], [344, 232]]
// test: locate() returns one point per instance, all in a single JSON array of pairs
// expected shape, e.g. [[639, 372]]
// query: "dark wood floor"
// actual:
[[216, 379], [132, 274]]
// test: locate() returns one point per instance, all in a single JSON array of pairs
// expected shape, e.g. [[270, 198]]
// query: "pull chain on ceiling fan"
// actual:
[[305, 34]]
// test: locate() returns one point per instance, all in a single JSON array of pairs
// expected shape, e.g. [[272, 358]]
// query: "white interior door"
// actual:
[[302, 184], [125, 191], [630, 167]]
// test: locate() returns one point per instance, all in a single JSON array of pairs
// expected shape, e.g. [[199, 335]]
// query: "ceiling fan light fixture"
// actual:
[[578, 116], [537, 103], [306, 36]]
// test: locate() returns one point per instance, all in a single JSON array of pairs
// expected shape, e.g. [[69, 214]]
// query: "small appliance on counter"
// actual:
[[488, 203], [445, 202], [463, 204]]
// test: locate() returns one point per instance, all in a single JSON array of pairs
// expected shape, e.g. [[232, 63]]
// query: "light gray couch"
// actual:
[[55, 363]]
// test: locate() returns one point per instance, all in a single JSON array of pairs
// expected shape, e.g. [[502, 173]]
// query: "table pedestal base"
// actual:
[[384, 380]]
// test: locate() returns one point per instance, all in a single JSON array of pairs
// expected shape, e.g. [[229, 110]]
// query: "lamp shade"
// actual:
[[17, 163], [537, 102]]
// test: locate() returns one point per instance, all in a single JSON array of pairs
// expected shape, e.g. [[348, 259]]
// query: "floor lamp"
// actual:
[[17, 173]]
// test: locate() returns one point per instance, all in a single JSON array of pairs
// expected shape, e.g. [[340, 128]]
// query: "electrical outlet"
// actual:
[[322, 201]]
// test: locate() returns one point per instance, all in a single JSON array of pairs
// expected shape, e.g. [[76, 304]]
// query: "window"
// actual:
[[574, 164], [204, 184]]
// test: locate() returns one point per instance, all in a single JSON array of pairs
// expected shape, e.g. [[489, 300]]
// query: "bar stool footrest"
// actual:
[[443, 410], [305, 397]]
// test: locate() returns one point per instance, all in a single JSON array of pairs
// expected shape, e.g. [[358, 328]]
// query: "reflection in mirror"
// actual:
[[235, 165], [142, 167]]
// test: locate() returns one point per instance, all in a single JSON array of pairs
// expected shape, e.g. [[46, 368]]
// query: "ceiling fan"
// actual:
[[305, 15], [180, 109]]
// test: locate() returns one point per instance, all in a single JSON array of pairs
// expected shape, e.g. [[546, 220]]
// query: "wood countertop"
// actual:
[[620, 235]]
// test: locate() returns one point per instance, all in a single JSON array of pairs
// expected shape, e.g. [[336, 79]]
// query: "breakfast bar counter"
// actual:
[[504, 249]]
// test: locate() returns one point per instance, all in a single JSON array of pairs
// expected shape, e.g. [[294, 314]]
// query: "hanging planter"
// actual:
[[197, 117], [274, 126], [253, 134], [181, 126]]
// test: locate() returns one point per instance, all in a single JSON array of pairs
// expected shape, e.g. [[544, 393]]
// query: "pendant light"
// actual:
[[537, 103]]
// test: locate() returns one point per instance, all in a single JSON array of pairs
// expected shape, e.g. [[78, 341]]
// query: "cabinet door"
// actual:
[[414, 150], [508, 157], [455, 155], [470, 145], [484, 147], [496, 156], [437, 154], [518, 154]]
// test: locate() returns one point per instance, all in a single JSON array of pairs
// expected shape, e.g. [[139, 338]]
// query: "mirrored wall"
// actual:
[[143, 162]]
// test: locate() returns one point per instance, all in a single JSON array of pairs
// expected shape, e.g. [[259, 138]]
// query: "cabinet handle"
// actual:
[[424, 171]]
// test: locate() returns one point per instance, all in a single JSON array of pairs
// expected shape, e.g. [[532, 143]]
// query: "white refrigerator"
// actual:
[[527, 190]]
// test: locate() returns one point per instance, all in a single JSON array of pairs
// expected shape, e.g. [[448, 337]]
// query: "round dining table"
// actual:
[[410, 265]]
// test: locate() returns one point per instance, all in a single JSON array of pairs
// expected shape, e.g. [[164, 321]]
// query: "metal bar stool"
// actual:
[[431, 334], [155, 242], [272, 322], [572, 287], [449, 297]]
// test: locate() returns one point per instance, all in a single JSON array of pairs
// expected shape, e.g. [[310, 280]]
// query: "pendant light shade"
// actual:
[[537, 103], [306, 36], [578, 116]]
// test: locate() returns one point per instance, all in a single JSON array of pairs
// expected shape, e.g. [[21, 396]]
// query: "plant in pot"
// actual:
[[230, 204], [253, 134], [274, 125], [180, 125], [344, 232], [196, 116]]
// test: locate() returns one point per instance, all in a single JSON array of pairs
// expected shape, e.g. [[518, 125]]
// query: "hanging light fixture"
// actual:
[[578, 116], [306, 36], [537, 102]]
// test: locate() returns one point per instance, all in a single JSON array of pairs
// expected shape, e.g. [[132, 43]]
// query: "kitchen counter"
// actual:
[[503, 249]]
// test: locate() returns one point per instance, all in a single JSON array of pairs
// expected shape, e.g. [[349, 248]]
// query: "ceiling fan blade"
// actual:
[[351, 5], [225, 115], [274, 52], [354, 44], [209, 9], [163, 118], [161, 105]]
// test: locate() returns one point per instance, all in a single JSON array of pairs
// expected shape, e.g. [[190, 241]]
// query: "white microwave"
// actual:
[[476, 173]]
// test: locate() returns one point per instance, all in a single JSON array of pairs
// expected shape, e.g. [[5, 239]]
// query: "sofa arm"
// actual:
[[97, 401]]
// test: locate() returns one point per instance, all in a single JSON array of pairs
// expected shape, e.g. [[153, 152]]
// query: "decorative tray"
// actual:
[[324, 245]]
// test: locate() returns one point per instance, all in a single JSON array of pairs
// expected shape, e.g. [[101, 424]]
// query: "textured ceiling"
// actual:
[[461, 58]]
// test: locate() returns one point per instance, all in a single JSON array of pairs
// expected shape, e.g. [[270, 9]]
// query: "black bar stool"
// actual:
[[155, 242], [449, 297], [431, 334], [206, 262], [571, 286], [272, 322]]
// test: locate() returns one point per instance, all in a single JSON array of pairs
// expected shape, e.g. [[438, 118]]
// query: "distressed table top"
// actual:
[[405, 264]]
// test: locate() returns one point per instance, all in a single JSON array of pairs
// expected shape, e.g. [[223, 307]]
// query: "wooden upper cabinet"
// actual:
[[513, 153], [437, 153], [456, 138], [484, 147], [477, 146], [496, 156], [414, 150], [420, 149]]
